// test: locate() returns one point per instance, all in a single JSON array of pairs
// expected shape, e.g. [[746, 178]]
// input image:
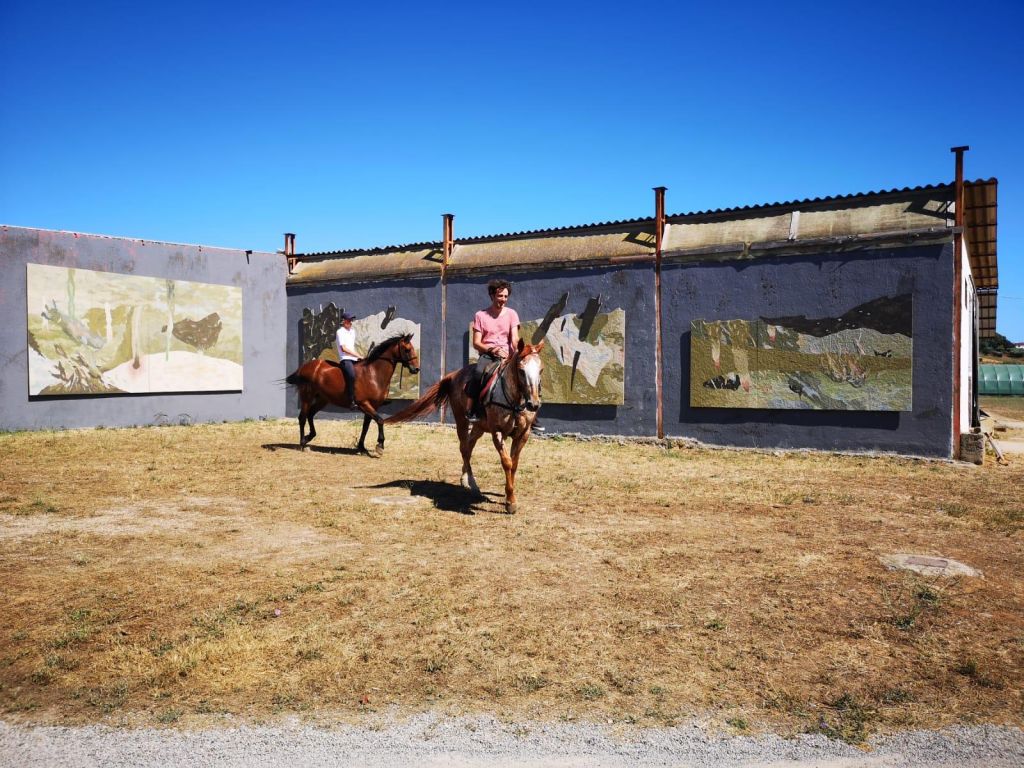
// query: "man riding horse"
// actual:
[[347, 354], [495, 336]]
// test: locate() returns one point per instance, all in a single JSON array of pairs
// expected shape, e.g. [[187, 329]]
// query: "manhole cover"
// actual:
[[928, 565]]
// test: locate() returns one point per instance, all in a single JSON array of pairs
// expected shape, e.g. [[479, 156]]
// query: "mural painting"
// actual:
[[318, 341], [585, 354], [860, 361], [95, 332]]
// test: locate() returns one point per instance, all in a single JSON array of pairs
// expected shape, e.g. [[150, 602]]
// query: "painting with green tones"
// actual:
[[859, 361], [92, 332], [318, 341], [584, 356]]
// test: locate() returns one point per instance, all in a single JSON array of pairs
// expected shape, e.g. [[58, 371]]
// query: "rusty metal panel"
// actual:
[[895, 216], [366, 266], [556, 249], [692, 235]]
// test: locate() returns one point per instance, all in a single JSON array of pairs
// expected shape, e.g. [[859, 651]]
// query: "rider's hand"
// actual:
[[500, 352]]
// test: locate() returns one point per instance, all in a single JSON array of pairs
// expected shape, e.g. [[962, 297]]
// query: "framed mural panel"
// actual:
[[584, 355], [860, 361], [92, 332], [318, 341]]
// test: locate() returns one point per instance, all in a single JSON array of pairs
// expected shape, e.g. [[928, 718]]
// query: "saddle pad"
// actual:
[[490, 377], [494, 393]]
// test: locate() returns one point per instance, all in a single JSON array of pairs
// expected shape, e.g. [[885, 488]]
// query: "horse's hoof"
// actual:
[[510, 509], [380, 450]]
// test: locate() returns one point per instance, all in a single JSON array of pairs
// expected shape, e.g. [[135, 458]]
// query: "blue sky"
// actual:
[[358, 125]]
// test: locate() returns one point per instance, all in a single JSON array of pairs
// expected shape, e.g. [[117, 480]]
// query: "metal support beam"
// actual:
[[958, 278], [447, 246], [659, 234], [289, 250]]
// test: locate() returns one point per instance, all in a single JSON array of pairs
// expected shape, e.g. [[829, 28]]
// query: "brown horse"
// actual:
[[520, 378], [321, 382]]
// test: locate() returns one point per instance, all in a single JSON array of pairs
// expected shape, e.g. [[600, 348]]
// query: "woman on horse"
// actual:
[[495, 337], [347, 354]]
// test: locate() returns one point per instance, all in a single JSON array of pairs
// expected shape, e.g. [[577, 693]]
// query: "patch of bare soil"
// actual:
[[194, 571]]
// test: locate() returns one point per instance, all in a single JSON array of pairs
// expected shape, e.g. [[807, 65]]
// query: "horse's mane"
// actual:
[[385, 345]]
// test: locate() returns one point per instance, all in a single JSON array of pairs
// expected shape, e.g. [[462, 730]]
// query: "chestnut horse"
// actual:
[[520, 377], [321, 382]]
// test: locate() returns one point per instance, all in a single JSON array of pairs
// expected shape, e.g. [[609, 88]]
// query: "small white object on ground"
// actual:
[[928, 565]]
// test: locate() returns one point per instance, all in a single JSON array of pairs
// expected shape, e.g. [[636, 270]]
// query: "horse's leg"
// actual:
[[371, 413], [518, 444], [467, 441], [314, 409], [380, 436], [305, 413], [506, 464], [361, 445]]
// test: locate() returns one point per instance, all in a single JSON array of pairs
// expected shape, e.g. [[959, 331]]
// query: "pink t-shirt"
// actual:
[[496, 331]]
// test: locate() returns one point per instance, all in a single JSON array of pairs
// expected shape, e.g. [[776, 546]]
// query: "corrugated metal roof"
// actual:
[[640, 220], [812, 201], [605, 240]]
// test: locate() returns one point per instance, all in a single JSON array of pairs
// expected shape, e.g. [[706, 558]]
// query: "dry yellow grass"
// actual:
[[168, 574], [1007, 407]]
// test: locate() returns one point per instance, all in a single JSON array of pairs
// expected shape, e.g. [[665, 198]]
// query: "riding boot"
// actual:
[[473, 414]]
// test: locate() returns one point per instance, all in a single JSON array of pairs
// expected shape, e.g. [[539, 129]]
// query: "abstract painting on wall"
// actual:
[[318, 341], [584, 354], [860, 361], [95, 332]]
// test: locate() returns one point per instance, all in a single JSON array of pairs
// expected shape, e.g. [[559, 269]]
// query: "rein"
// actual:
[[520, 406]]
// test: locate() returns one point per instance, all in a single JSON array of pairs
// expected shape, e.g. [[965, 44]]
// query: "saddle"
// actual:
[[492, 389]]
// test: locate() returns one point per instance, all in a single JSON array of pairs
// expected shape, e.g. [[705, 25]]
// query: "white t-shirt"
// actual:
[[346, 337]]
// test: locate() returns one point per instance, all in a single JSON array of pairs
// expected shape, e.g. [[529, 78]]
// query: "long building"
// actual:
[[841, 323]]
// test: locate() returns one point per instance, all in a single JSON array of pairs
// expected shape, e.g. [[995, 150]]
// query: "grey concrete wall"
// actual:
[[816, 286], [261, 277], [630, 288], [418, 300]]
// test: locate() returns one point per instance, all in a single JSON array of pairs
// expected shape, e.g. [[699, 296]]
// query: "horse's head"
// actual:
[[528, 369], [407, 354]]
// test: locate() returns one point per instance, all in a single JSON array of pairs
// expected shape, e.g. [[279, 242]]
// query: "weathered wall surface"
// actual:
[[418, 300], [825, 285], [259, 275], [630, 288]]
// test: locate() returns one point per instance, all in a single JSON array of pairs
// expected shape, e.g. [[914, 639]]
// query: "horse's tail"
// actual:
[[436, 397], [303, 374]]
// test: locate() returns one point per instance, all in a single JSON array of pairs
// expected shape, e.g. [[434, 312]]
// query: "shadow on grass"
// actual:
[[317, 449], [448, 497]]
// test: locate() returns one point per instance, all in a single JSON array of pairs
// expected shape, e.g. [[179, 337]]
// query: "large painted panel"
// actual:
[[862, 360], [93, 332], [318, 341], [584, 355]]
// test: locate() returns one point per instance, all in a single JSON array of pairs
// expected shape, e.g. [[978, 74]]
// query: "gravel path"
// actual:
[[431, 741]]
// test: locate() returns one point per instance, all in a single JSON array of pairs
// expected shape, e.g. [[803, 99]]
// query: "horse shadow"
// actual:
[[334, 451], [448, 497]]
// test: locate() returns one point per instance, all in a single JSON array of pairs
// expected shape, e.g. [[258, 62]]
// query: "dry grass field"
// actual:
[[1007, 407], [173, 574]]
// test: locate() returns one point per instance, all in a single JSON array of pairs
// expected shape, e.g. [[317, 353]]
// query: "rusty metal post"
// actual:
[[447, 246], [958, 278], [659, 234], [289, 250]]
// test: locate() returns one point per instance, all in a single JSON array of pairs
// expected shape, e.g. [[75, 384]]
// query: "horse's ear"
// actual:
[[521, 345], [539, 347]]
